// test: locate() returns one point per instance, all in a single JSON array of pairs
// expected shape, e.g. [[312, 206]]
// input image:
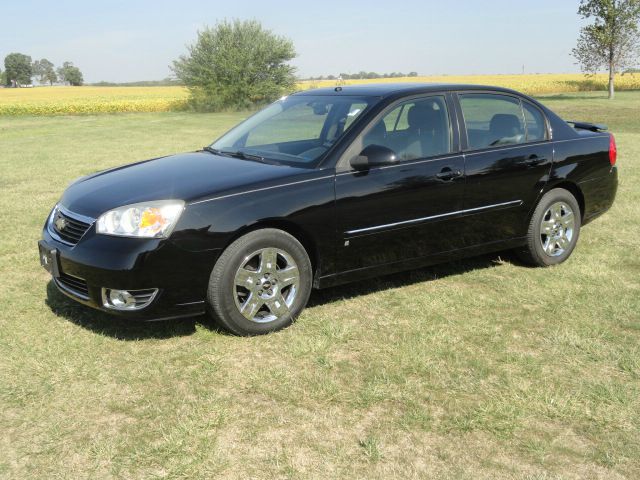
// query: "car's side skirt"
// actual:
[[414, 263]]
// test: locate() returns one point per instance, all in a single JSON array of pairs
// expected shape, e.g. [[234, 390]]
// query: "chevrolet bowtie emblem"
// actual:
[[60, 223]]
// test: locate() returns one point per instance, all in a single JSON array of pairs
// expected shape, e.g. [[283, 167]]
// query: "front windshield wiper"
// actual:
[[211, 150], [240, 154]]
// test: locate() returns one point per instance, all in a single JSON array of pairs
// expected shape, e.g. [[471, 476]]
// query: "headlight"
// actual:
[[145, 220]]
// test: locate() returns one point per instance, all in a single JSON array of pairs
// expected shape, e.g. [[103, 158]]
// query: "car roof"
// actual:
[[387, 89]]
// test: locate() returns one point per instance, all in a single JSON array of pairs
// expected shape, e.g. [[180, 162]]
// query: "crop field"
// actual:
[[478, 369], [92, 100], [531, 84], [83, 100]]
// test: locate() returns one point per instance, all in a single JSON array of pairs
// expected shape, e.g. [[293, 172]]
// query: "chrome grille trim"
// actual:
[[76, 225]]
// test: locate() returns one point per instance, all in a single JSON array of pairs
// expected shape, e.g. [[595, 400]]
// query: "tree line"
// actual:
[[165, 82], [363, 75], [19, 70]]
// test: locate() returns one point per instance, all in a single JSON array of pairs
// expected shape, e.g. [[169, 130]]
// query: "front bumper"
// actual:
[[180, 276]]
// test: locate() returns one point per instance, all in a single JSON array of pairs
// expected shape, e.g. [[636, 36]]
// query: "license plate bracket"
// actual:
[[49, 259]]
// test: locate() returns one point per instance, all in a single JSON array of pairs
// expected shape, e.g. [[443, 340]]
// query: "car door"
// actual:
[[508, 157], [399, 212]]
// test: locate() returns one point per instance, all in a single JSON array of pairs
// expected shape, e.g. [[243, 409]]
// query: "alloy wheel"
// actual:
[[266, 284], [557, 229]]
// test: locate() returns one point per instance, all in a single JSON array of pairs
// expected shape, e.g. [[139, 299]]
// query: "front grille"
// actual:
[[68, 227], [73, 285]]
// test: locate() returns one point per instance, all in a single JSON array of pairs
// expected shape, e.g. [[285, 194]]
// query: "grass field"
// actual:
[[94, 100], [478, 369]]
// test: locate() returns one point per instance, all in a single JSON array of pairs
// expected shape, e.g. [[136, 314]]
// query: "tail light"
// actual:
[[613, 150]]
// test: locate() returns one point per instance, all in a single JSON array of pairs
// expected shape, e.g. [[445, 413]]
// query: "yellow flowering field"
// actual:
[[91, 100], [77, 100], [532, 84]]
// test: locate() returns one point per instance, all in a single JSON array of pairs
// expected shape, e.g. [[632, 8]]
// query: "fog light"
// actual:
[[121, 299], [127, 299]]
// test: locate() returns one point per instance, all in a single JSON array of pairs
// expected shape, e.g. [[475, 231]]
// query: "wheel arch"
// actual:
[[571, 187], [286, 226]]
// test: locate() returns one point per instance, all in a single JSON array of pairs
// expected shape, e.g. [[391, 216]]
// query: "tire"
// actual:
[[249, 293], [557, 214]]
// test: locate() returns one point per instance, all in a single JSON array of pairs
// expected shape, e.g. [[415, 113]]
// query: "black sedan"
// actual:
[[326, 187]]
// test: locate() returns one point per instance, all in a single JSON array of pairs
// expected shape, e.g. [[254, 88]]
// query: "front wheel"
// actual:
[[260, 283], [553, 230]]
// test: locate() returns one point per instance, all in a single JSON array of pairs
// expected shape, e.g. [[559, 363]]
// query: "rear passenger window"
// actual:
[[492, 120], [536, 129], [415, 129]]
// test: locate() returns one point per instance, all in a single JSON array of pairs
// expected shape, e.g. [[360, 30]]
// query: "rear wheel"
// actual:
[[260, 283], [553, 230]]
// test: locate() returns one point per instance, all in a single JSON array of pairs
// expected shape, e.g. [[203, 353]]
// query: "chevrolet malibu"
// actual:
[[326, 187]]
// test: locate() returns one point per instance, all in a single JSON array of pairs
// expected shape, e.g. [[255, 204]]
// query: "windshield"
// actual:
[[297, 130]]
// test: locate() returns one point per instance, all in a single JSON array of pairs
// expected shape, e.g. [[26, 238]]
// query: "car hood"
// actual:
[[187, 176]]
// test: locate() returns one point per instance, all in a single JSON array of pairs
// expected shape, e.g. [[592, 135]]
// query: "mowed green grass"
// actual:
[[482, 368]]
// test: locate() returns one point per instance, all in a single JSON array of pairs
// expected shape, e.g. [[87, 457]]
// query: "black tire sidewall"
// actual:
[[220, 293], [535, 245]]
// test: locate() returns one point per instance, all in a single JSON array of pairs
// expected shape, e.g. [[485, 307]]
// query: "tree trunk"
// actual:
[[611, 77]]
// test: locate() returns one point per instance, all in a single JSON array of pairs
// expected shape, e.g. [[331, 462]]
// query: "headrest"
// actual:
[[423, 116], [505, 125]]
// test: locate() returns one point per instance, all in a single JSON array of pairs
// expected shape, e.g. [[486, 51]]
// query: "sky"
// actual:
[[121, 41]]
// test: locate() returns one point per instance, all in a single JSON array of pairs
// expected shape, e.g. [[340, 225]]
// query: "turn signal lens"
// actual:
[[152, 218], [613, 150]]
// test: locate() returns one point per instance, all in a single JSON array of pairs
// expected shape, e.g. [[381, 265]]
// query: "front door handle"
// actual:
[[447, 173], [533, 160]]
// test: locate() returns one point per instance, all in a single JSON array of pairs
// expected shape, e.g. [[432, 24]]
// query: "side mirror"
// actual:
[[374, 156]]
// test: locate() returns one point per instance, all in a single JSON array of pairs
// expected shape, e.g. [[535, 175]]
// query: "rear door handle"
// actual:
[[447, 173]]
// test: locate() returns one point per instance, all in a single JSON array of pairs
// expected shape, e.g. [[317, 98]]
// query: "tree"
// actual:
[[18, 69], [237, 64], [43, 70], [612, 40], [52, 77], [70, 74]]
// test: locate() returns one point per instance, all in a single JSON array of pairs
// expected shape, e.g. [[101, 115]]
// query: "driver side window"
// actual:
[[415, 129]]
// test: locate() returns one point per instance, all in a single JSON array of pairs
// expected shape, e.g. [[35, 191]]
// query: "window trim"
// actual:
[[343, 165], [464, 135], [547, 129]]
